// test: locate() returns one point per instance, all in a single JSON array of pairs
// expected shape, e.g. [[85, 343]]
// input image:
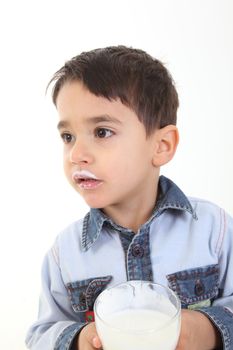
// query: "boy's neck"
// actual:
[[133, 215]]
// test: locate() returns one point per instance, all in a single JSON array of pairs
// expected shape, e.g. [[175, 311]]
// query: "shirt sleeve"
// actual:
[[221, 311], [57, 323]]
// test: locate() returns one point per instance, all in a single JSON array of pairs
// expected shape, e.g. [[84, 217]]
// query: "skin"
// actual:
[[107, 139]]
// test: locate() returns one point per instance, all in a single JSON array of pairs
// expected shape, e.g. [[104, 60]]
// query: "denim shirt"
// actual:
[[187, 244]]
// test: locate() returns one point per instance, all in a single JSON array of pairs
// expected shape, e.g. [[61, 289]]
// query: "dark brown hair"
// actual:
[[141, 82]]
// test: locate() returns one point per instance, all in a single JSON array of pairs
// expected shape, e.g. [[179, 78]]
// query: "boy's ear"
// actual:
[[166, 141]]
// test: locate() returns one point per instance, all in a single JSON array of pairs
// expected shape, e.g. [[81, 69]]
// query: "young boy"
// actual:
[[117, 109]]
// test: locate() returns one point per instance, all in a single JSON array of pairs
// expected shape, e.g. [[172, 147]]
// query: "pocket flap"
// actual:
[[195, 285], [83, 293]]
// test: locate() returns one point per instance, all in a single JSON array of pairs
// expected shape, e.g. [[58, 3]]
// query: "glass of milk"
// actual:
[[138, 315]]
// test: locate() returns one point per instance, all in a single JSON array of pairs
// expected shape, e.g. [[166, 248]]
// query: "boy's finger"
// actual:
[[92, 336], [96, 342]]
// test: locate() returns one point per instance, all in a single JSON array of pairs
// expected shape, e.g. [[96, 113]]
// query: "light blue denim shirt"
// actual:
[[187, 244]]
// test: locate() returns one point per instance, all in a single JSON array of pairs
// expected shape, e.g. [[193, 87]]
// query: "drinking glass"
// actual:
[[138, 315]]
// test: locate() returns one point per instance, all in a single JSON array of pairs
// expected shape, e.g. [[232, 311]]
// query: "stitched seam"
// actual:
[[84, 232], [224, 230], [221, 233], [55, 255]]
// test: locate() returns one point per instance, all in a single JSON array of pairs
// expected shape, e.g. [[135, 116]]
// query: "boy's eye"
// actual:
[[103, 133], [66, 137]]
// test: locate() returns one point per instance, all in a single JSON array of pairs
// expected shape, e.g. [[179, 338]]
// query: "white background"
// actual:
[[194, 38]]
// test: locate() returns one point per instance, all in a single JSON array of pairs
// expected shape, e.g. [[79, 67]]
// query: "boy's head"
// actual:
[[117, 109], [141, 82]]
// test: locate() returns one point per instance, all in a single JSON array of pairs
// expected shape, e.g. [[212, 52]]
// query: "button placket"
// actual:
[[138, 257]]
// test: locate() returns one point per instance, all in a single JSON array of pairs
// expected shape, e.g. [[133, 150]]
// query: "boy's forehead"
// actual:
[[75, 100], [69, 93]]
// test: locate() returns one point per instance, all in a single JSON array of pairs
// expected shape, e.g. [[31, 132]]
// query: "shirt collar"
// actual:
[[169, 197]]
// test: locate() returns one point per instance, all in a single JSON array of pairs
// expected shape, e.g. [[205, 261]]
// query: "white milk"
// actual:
[[134, 329]]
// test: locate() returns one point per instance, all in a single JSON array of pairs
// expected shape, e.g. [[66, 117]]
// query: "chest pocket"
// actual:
[[83, 293], [196, 287]]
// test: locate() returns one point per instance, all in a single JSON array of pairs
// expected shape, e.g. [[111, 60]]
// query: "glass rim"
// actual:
[[148, 330]]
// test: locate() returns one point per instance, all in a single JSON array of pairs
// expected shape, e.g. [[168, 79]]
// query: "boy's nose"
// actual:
[[80, 154]]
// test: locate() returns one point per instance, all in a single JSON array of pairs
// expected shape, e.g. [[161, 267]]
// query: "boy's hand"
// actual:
[[197, 332], [88, 338]]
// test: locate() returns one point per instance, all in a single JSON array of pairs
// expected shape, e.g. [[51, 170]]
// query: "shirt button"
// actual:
[[82, 298], [199, 288], [137, 251]]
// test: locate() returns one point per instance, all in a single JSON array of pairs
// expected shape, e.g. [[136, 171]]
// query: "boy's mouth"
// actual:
[[86, 180]]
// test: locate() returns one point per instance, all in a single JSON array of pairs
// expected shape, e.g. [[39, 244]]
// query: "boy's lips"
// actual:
[[86, 180]]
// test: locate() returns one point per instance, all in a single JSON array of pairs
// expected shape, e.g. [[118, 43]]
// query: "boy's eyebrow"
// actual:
[[103, 118], [62, 125], [92, 120]]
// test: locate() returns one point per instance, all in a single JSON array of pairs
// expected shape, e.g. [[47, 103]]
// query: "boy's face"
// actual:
[[107, 156]]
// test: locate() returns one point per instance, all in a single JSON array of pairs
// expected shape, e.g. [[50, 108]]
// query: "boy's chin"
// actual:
[[102, 205], [97, 200], [94, 204]]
